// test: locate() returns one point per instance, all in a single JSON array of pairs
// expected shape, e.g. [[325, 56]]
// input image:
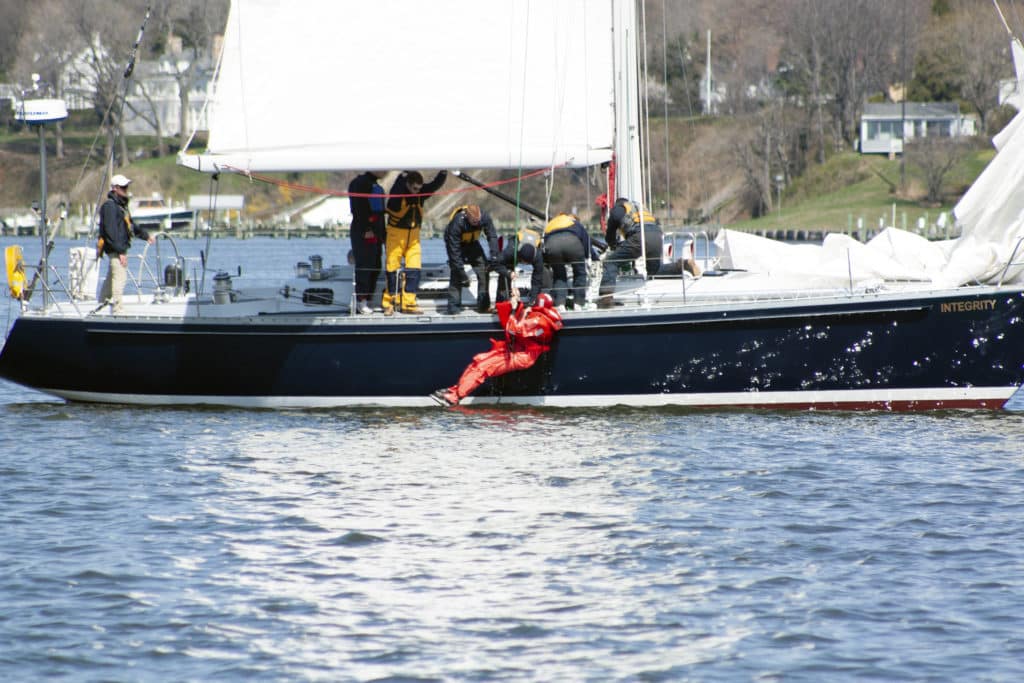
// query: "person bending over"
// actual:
[[462, 242]]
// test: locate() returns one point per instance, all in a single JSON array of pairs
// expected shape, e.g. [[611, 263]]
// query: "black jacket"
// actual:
[[407, 212], [116, 225], [367, 212], [624, 220], [459, 233]]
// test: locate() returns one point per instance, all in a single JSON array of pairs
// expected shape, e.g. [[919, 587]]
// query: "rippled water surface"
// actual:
[[144, 544]]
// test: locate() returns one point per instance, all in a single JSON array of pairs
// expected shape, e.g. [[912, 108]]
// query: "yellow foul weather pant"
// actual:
[[402, 243]]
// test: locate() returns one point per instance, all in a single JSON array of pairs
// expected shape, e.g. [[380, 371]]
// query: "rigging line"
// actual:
[[586, 110], [214, 191], [645, 114], [522, 111], [203, 113], [1002, 18], [1015, 15], [92, 147], [561, 74], [126, 82], [312, 189], [241, 76], [664, 62], [691, 116]]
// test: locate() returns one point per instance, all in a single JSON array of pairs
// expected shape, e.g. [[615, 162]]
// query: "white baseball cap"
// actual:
[[119, 181]]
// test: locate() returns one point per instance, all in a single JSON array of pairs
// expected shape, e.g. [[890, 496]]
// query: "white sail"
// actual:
[[991, 212], [341, 85]]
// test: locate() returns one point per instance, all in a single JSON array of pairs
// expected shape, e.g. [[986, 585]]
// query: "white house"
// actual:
[[881, 124], [153, 91]]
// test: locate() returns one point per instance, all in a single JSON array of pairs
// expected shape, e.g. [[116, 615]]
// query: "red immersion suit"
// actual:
[[528, 334]]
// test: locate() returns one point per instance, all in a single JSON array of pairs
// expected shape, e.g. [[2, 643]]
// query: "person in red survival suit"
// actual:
[[529, 331]]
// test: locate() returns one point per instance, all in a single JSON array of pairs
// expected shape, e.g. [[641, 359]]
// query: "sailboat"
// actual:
[[897, 324]]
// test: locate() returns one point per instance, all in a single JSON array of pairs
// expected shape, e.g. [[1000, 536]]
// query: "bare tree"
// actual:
[[48, 47], [935, 157], [982, 47], [850, 49], [196, 23], [108, 29], [13, 17], [151, 114]]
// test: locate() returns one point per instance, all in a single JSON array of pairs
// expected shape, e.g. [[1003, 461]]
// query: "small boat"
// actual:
[[896, 324], [153, 213]]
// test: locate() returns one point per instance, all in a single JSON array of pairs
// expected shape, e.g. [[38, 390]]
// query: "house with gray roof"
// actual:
[[881, 124]]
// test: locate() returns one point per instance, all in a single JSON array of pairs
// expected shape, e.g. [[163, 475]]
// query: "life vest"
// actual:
[[538, 325], [631, 221], [562, 221], [409, 213], [474, 234], [527, 236]]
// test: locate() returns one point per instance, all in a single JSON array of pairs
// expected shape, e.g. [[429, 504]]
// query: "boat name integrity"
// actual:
[[967, 306]]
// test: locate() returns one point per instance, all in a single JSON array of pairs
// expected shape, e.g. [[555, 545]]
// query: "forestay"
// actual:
[[393, 84]]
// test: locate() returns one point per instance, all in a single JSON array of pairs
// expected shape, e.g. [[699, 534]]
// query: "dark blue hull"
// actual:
[[942, 352]]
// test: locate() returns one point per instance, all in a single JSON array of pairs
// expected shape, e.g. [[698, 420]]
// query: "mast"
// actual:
[[629, 171]]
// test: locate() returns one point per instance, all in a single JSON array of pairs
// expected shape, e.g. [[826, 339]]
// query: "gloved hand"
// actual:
[[495, 266]]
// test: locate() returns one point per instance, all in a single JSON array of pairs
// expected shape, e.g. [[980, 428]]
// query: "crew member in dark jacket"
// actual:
[[566, 243], [462, 242], [116, 229], [525, 249], [624, 238], [405, 216], [366, 200]]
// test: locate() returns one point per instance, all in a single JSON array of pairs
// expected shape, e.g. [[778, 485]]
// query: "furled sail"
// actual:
[[991, 212], [331, 85]]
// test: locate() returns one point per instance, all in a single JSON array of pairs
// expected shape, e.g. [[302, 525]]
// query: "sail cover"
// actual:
[[390, 84]]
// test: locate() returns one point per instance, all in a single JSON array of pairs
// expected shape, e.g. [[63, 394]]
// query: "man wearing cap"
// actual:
[[116, 229]]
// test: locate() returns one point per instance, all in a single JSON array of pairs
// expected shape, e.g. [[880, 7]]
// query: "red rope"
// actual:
[[342, 193]]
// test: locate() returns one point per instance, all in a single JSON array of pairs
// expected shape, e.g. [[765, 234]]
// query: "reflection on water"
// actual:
[[508, 543]]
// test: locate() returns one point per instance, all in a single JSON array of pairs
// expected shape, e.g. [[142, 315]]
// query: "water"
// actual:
[[144, 544]]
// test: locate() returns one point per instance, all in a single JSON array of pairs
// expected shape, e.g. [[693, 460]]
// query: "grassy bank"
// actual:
[[852, 187]]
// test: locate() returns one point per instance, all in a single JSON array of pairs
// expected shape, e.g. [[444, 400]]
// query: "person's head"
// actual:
[[414, 181], [119, 184], [544, 300], [473, 214], [526, 253]]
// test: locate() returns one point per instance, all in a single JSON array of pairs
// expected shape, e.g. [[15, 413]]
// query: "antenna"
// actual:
[[36, 113]]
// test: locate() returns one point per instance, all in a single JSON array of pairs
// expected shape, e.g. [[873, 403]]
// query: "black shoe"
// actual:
[[453, 310], [443, 397]]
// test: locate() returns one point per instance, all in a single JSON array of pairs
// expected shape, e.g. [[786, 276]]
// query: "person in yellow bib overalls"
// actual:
[[405, 216]]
